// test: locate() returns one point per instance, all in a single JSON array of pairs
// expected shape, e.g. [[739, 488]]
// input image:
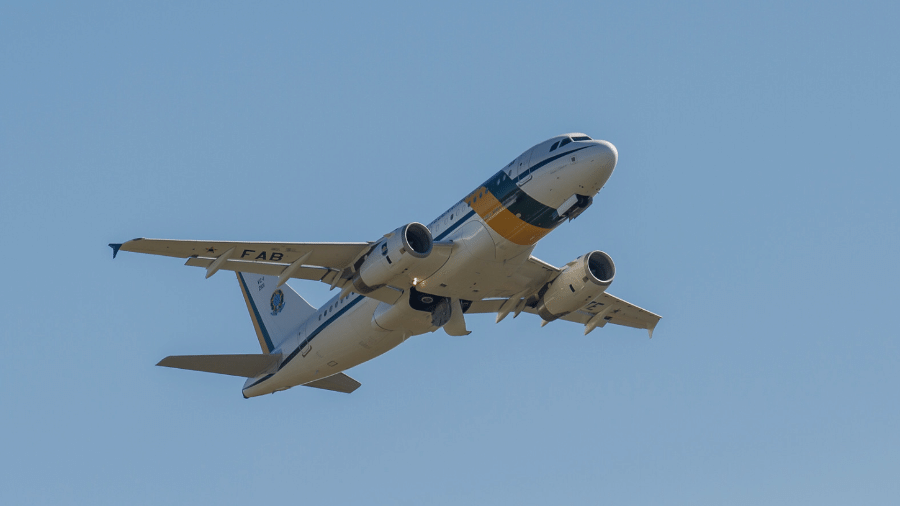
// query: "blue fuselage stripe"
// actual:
[[538, 165], [256, 316], [456, 225]]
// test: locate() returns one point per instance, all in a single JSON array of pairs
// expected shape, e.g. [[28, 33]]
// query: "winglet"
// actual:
[[115, 248]]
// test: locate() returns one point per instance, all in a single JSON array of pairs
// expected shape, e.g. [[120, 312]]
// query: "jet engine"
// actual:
[[582, 281], [395, 254]]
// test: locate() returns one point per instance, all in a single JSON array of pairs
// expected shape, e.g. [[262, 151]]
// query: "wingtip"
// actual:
[[115, 247]]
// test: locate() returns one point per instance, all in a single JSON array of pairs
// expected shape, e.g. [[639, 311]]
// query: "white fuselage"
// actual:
[[493, 230]]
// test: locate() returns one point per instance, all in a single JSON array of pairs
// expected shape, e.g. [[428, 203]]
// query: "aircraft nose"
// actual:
[[607, 156], [598, 165]]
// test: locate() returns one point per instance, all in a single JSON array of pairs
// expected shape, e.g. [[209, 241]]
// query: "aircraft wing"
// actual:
[[334, 255], [606, 308], [614, 310], [328, 262]]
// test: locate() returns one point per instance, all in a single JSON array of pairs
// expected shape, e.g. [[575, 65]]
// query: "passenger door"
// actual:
[[522, 166]]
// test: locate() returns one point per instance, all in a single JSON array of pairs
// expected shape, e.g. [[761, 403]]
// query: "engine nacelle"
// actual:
[[578, 284], [392, 256]]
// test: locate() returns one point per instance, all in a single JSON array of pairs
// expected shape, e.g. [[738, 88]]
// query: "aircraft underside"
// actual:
[[474, 258]]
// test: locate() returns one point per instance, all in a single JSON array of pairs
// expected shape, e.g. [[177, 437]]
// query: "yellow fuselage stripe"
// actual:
[[511, 227]]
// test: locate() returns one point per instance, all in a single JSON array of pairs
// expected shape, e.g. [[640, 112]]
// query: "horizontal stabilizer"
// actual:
[[339, 382], [245, 366]]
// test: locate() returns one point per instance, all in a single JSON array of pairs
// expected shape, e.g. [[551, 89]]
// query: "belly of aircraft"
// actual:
[[482, 266], [348, 342]]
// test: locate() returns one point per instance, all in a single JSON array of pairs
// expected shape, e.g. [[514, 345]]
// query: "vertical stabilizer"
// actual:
[[276, 311]]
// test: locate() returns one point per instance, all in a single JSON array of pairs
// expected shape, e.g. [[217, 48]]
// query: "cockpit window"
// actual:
[[565, 141], [582, 138], [554, 146]]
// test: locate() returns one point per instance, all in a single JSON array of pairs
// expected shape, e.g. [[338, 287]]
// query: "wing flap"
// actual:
[[265, 268], [245, 366], [485, 306], [532, 275], [339, 382]]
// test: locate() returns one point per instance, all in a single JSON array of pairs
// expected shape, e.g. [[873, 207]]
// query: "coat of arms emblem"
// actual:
[[277, 302]]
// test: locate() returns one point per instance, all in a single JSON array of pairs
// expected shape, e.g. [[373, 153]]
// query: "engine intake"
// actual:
[[392, 256], [582, 281]]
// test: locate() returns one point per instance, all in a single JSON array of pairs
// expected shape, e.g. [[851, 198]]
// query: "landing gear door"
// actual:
[[522, 165]]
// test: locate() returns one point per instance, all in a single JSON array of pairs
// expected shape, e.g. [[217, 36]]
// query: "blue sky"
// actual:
[[754, 207]]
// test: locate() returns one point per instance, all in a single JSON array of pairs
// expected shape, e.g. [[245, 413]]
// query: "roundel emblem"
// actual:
[[277, 302]]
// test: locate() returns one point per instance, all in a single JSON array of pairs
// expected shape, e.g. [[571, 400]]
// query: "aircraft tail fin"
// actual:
[[276, 311]]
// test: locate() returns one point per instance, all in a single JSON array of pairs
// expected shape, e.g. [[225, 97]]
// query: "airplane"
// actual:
[[474, 258]]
